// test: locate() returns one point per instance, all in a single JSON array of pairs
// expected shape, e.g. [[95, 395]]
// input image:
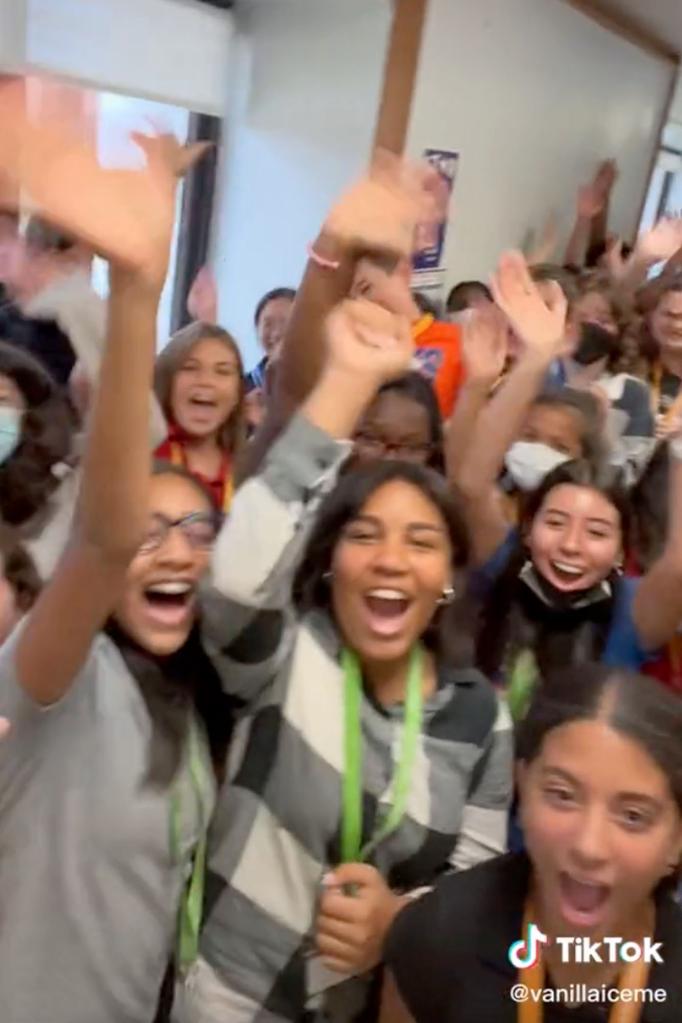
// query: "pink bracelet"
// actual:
[[324, 264]]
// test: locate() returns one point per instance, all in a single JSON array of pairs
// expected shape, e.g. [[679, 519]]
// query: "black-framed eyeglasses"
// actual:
[[199, 529], [377, 447]]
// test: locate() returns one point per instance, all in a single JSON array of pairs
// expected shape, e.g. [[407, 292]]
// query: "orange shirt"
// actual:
[[439, 352]]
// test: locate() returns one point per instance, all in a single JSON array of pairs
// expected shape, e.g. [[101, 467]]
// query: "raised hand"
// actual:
[[381, 212], [606, 177], [591, 201], [540, 325], [202, 301], [485, 343], [126, 216], [662, 241], [368, 343], [614, 259]]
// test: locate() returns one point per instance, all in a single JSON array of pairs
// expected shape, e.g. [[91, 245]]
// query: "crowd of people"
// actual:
[[322, 685]]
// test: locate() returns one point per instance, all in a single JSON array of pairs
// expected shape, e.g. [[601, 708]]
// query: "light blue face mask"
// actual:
[[10, 431]]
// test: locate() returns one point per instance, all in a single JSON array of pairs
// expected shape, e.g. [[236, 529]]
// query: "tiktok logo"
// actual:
[[524, 954]]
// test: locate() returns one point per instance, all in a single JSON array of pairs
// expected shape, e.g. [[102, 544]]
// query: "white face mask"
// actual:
[[528, 462], [10, 431]]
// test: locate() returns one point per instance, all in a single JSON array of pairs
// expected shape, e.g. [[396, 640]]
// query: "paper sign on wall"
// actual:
[[428, 261]]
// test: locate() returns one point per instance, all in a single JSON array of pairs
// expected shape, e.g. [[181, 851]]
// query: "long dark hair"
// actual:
[[311, 590], [633, 705], [649, 499], [502, 626], [173, 686], [27, 478]]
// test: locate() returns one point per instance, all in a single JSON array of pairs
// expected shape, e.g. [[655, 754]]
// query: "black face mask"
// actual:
[[595, 343]]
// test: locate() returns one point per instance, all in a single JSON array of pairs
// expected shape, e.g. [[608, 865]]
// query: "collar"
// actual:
[[507, 901], [422, 325], [554, 598]]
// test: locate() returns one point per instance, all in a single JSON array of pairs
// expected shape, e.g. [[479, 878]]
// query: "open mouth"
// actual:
[[203, 401], [170, 603], [387, 611], [566, 573], [583, 903]]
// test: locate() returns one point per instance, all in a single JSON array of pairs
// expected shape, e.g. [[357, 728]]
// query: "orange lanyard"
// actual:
[[634, 976], [178, 458], [656, 386]]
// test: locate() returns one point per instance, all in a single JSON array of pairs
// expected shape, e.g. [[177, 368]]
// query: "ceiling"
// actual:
[[662, 18]]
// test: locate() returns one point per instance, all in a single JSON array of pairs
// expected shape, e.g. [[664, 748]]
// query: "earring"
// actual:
[[447, 597], [327, 577]]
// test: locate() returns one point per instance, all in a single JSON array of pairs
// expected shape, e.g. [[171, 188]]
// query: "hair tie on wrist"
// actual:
[[324, 264]]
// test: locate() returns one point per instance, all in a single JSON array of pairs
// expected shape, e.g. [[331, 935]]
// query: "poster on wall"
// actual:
[[428, 267]]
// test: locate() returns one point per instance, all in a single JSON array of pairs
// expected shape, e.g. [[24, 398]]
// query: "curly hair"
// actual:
[[28, 477]]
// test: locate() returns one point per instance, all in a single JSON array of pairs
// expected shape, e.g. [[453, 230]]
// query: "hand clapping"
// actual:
[[538, 323]]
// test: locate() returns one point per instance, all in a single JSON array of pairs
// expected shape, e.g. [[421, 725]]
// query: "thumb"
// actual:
[[360, 874], [556, 298], [191, 154], [4, 727]]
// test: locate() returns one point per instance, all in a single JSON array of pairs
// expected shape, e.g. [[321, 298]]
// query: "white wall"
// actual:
[[117, 117], [676, 106], [532, 93], [308, 81], [174, 51], [12, 34]]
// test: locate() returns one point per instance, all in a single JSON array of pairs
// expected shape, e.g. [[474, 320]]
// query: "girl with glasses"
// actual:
[[106, 774]]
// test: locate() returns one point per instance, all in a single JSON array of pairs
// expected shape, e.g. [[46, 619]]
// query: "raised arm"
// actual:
[[484, 352], [658, 245], [657, 608], [541, 330], [112, 510], [375, 218], [604, 181], [260, 545], [589, 205]]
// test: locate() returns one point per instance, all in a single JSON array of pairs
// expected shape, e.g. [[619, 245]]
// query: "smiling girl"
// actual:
[[553, 591], [600, 781], [199, 385], [106, 780], [369, 762]]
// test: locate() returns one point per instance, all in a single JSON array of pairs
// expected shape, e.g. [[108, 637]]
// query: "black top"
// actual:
[[448, 951], [42, 339]]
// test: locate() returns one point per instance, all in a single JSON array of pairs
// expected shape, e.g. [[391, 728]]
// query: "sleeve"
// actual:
[[637, 404], [259, 546], [624, 648], [484, 577], [247, 620], [419, 953], [28, 721], [483, 833]]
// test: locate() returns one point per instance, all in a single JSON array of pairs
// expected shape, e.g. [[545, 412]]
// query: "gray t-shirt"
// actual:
[[89, 886]]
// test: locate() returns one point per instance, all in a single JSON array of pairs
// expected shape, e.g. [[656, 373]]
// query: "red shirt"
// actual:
[[173, 450], [667, 666], [439, 352]]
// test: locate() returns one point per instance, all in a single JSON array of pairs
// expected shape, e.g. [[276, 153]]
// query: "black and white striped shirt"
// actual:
[[277, 828]]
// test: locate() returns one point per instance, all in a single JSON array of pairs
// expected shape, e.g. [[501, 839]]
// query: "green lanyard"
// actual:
[[352, 850], [521, 685], [191, 904]]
